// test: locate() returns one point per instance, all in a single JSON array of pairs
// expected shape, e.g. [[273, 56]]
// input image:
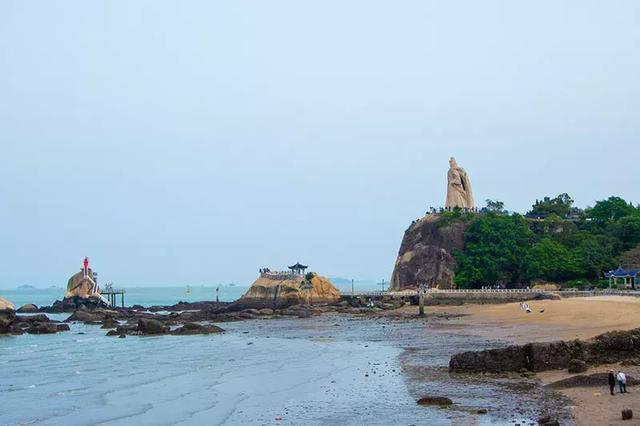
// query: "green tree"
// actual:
[[627, 230], [560, 205], [495, 246], [551, 261], [494, 206], [610, 210], [630, 259]]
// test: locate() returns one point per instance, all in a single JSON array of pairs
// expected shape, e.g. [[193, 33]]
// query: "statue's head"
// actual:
[[452, 162]]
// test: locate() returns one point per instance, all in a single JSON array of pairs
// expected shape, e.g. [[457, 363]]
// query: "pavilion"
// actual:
[[630, 277], [298, 268]]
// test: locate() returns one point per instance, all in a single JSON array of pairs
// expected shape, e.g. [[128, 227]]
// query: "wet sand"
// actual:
[[575, 318]]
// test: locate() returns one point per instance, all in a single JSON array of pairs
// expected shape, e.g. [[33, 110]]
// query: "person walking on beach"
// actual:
[[622, 381], [612, 381]]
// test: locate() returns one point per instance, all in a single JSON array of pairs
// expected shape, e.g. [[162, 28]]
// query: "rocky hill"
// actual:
[[280, 292], [426, 252]]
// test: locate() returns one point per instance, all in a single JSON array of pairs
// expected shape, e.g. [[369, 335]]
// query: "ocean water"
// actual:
[[328, 370], [146, 296]]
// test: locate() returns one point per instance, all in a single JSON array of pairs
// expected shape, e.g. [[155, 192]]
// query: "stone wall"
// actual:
[[487, 297]]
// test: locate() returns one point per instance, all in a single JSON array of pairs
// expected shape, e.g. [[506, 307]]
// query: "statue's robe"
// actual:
[[459, 193]]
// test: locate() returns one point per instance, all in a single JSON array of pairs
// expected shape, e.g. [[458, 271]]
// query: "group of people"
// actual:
[[619, 378]]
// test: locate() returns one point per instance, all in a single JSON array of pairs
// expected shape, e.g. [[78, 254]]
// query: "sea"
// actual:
[[326, 370]]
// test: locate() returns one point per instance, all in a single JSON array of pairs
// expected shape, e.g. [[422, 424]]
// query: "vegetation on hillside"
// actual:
[[554, 241]]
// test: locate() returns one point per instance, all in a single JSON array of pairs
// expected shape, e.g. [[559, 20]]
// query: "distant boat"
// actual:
[[188, 290], [232, 285]]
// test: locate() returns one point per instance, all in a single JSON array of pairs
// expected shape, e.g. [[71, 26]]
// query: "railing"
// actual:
[[403, 293], [279, 275]]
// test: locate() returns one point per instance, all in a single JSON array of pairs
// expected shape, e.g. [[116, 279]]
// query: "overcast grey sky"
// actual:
[[197, 141]]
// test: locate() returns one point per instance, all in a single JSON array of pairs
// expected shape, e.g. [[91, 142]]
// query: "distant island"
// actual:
[[25, 287]]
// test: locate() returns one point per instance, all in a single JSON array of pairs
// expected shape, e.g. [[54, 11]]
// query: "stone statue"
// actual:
[[459, 193]]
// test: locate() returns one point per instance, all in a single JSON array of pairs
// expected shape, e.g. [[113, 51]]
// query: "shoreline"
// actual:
[[566, 319]]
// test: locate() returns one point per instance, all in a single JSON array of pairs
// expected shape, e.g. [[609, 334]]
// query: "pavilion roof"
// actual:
[[622, 273], [298, 265]]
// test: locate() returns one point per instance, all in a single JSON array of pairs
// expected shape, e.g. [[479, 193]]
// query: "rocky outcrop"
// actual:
[[81, 286], [10, 323], [280, 293], [606, 348], [73, 303], [426, 252]]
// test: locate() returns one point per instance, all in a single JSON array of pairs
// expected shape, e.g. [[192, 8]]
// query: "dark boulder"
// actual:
[[43, 328], [548, 421], [435, 400], [193, 328], [86, 317], [29, 308], [627, 414], [7, 317], [62, 327], [151, 326]]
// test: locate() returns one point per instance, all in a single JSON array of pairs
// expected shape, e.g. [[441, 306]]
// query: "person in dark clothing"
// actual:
[[612, 381]]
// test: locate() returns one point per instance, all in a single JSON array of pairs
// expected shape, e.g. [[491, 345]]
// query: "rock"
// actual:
[[606, 348], [62, 327], [83, 315], [81, 286], [581, 380], [266, 311], [577, 366], [426, 252], [434, 400], [193, 328], [482, 411], [278, 292], [7, 317], [627, 414], [112, 333], [43, 328], [29, 308], [5, 305], [304, 314], [122, 336], [151, 326], [109, 323], [548, 421]]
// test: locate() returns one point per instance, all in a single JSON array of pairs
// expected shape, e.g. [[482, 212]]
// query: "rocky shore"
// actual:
[[575, 355]]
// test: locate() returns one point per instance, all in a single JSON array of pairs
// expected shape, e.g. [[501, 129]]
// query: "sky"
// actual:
[[194, 142]]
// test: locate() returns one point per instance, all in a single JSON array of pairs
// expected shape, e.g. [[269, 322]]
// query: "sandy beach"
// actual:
[[576, 318]]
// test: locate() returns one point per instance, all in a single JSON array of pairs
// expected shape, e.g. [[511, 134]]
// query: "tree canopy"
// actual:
[[554, 242]]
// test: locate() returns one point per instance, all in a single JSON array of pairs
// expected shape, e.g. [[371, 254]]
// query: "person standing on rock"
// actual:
[[622, 381], [612, 381]]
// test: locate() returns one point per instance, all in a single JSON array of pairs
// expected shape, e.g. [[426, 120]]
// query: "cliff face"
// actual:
[[280, 293], [426, 253]]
